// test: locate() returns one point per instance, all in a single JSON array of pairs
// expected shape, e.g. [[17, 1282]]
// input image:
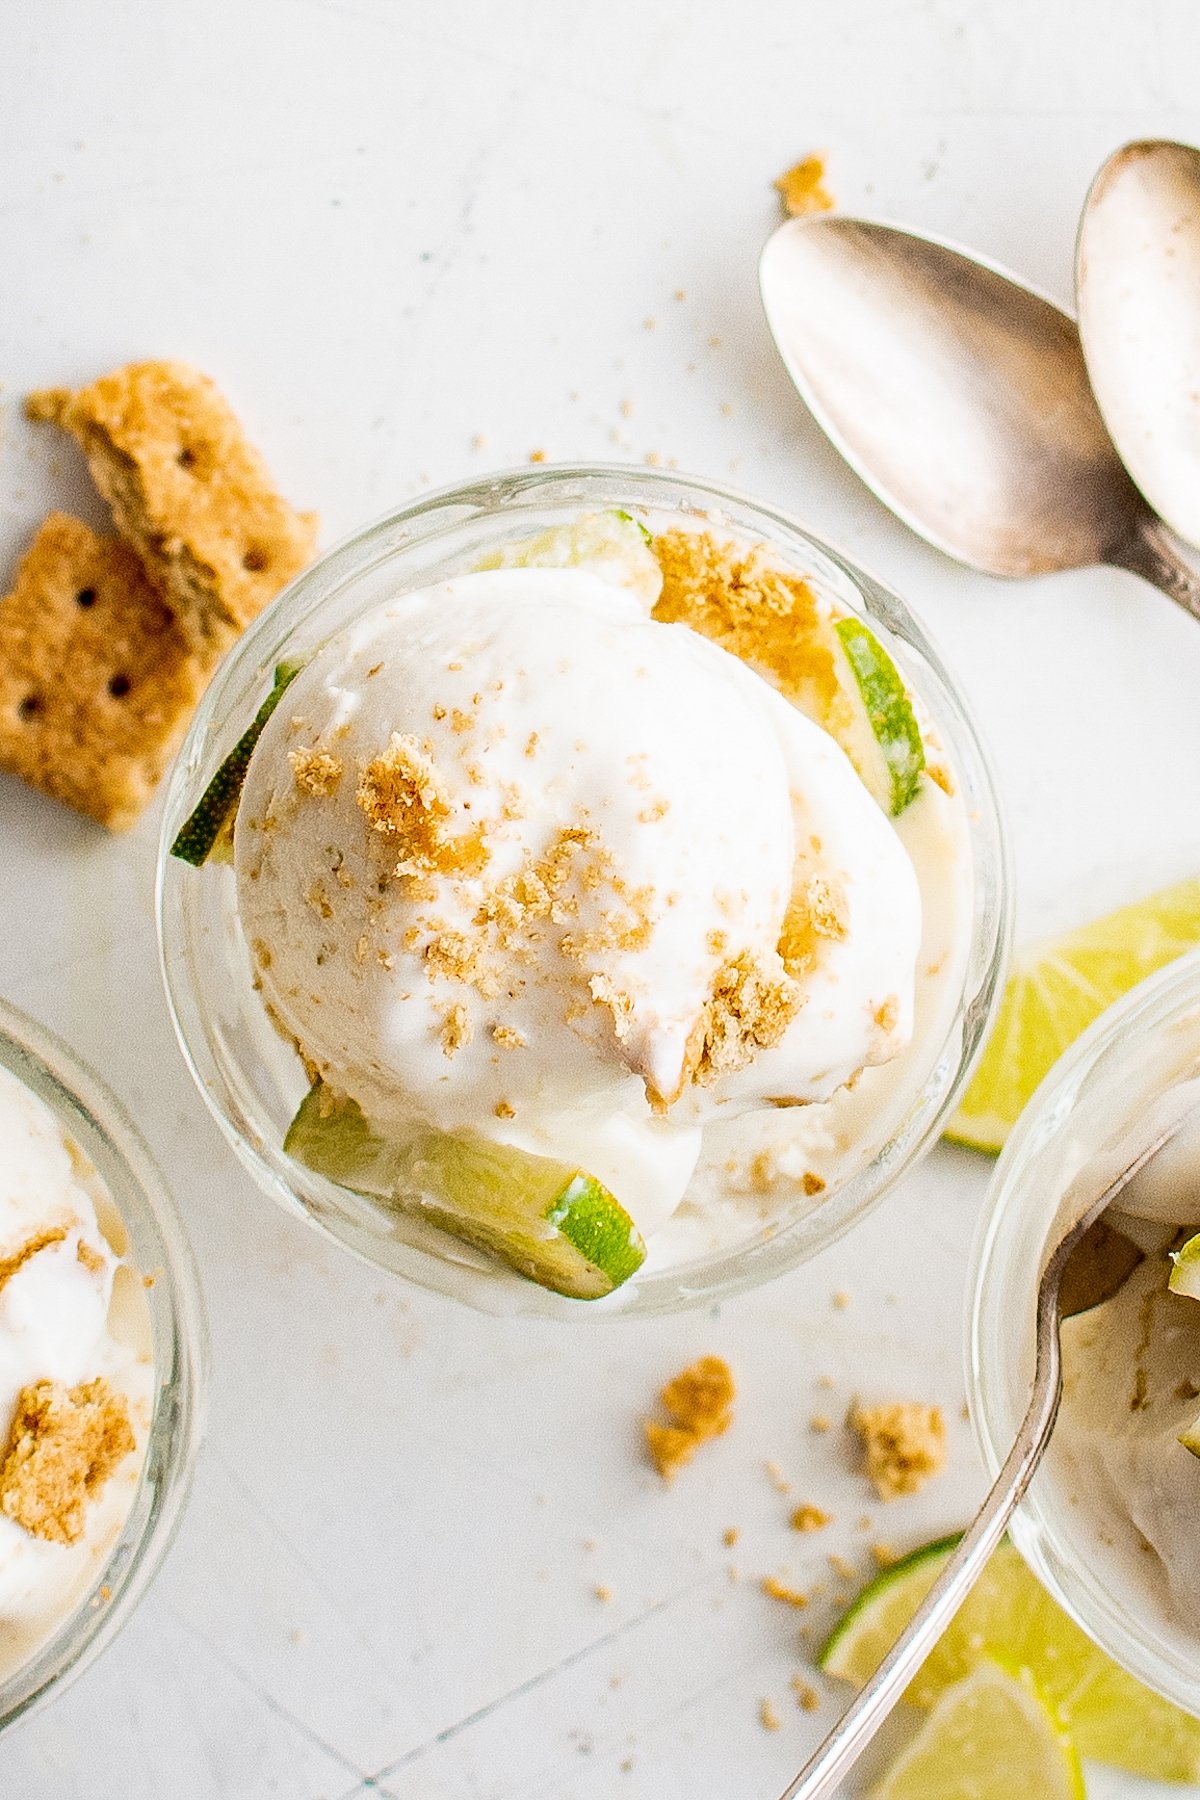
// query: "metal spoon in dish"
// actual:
[[1088, 1264], [1137, 290], [960, 396]]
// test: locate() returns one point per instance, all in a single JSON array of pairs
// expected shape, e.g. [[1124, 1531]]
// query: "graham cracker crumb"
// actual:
[[189, 493], [802, 188], [810, 1518], [97, 682], [456, 1030], [85, 1253], [779, 1590], [778, 1479], [503, 1110], [817, 914], [700, 1401], [41, 1240], [842, 1566], [602, 1593], [770, 619], [905, 1445], [63, 1446], [402, 794], [884, 1555], [508, 1037], [887, 1015], [315, 771], [841, 1300], [820, 1422], [748, 1010], [807, 1697], [812, 1184], [729, 1536], [768, 1718]]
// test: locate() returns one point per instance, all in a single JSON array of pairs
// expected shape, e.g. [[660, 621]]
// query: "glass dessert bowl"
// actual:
[[102, 1352], [1111, 1523], [614, 903]]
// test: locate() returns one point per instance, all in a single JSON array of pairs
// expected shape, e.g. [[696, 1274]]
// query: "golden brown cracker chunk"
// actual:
[[700, 1401], [97, 682], [187, 490], [63, 1446]]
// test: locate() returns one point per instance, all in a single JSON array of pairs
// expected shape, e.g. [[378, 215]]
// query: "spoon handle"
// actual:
[[821, 1775], [1160, 558]]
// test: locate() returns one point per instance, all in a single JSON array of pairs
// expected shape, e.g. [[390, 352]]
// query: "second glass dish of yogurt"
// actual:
[[1112, 1523], [76, 1375], [614, 895]]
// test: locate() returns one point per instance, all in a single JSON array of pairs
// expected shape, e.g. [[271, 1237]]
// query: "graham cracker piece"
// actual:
[[905, 1444], [187, 490], [700, 1401], [63, 1446], [97, 683]]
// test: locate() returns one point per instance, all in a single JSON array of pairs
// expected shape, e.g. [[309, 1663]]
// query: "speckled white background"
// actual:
[[389, 229]]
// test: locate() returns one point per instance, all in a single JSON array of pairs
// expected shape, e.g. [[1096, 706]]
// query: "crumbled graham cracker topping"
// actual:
[[316, 772], [749, 1009], [905, 1444], [457, 1030], [63, 1446], [700, 1401], [41, 1240], [743, 601], [91, 1258], [817, 914], [403, 796]]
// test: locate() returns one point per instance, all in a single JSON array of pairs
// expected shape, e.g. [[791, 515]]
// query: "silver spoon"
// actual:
[[1137, 289], [960, 396], [1087, 1265]]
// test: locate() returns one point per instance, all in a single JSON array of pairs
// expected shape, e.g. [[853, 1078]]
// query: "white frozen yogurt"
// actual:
[[513, 856], [65, 1318], [1132, 1374]]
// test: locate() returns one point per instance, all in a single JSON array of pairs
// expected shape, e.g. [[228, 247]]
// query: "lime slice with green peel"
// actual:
[[1185, 1272], [881, 737], [614, 544], [1010, 1617], [1056, 989], [208, 834], [548, 1220], [991, 1736]]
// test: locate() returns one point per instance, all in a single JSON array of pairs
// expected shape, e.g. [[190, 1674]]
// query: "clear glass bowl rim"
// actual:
[[600, 484], [96, 1120], [1169, 994]]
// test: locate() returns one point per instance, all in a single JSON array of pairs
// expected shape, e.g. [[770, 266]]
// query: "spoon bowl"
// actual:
[[960, 395], [1137, 284]]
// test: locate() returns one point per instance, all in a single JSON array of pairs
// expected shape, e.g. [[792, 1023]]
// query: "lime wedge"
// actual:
[[1185, 1273], [614, 545], [208, 834], [1056, 990], [991, 1736], [1008, 1615], [881, 737], [548, 1220]]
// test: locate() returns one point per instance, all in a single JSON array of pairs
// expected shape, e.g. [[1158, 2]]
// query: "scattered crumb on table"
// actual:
[[905, 1444], [810, 1518]]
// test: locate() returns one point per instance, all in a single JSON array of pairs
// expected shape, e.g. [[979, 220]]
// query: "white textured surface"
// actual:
[[387, 228]]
